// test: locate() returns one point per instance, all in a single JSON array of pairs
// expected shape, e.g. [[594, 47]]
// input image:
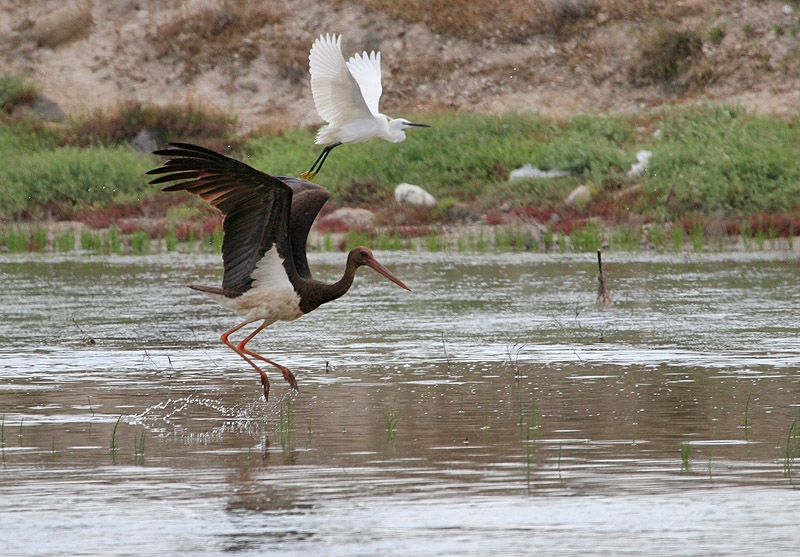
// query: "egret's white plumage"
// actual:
[[347, 96]]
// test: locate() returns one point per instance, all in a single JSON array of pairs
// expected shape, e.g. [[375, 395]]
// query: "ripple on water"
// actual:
[[494, 402]]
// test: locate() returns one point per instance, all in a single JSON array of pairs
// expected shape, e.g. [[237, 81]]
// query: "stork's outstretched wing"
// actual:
[[307, 201], [256, 207]]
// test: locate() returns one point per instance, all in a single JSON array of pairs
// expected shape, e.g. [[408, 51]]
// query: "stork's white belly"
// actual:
[[271, 297]]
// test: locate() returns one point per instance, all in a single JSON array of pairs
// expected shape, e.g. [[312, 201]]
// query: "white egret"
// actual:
[[346, 95]]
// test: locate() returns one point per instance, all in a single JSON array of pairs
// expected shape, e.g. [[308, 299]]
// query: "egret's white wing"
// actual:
[[366, 69], [336, 93]]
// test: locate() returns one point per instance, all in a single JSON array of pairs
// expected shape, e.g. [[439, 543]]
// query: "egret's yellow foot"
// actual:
[[308, 175]]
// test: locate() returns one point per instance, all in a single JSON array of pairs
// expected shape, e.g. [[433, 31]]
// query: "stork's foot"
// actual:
[[292, 382], [309, 175], [265, 384], [289, 376]]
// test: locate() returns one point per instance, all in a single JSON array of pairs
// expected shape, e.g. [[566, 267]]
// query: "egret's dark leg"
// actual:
[[287, 374], [317, 166]]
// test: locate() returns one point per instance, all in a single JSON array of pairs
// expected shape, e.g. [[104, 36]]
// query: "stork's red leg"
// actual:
[[287, 374], [224, 339]]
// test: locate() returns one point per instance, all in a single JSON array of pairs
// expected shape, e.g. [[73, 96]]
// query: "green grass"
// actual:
[[626, 238], [216, 240], [15, 241], [138, 448], [140, 242], [463, 156], [587, 239], [678, 238], [389, 241], [171, 122], [65, 241], [327, 243], [686, 456], [717, 33], [528, 426], [792, 450], [113, 446], [561, 242], [356, 237], [746, 424], [528, 423], [706, 158], [38, 240], [3, 438], [91, 241], [113, 241], [697, 237], [171, 240], [433, 242], [286, 425], [721, 157], [657, 236], [68, 178], [15, 90], [390, 418]]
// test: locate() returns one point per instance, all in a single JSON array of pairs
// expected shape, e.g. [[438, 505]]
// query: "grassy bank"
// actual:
[[705, 159], [142, 238], [715, 168]]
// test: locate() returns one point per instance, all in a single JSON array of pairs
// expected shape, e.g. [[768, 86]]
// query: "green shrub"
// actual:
[[140, 242], [170, 122], [666, 54], [15, 91], [587, 239], [71, 177], [716, 157], [65, 241], [716, 34], [16, 241]]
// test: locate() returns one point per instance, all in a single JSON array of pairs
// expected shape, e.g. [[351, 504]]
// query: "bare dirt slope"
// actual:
[[252, 61]]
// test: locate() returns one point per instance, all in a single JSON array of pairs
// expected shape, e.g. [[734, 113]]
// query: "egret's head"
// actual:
[[398, 126]]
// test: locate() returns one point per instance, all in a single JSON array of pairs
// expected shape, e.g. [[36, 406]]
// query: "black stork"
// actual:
[[266, 223]]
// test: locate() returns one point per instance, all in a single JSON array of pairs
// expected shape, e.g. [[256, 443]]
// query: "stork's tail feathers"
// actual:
[[227, 292]]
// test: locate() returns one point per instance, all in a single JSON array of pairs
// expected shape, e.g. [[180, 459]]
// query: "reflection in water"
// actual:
[[479, 404]]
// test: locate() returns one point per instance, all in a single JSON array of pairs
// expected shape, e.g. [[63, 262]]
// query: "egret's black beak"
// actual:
[[414, 125]]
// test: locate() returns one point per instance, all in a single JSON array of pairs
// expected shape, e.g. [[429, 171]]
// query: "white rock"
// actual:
[[638, 169], [528, 171], [415, 196], [579, 197], [67, 23], [352, 217]]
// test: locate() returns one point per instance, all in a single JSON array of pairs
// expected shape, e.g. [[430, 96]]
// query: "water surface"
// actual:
[[492, 410]]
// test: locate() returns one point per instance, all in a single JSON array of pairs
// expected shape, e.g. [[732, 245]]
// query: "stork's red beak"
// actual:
[[373, 263]]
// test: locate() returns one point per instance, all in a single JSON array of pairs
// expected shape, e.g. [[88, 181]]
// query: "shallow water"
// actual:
[[520, 417]]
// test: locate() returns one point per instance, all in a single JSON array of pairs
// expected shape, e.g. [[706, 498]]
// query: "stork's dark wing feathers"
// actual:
[[307, 201], [256, 207]]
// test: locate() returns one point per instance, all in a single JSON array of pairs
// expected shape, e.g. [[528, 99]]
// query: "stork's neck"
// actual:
[[340, 287], [318, 293]]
